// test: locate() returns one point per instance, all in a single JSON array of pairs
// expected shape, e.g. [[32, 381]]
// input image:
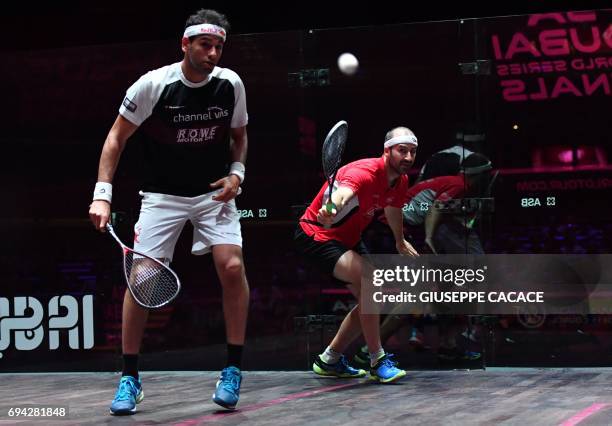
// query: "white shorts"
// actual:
[[163, 216]]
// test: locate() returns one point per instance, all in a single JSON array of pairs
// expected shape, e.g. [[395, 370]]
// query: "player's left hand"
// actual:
[[230, 187], [405, 248]]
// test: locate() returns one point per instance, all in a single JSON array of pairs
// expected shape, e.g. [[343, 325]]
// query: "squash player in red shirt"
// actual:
[[333, 242]]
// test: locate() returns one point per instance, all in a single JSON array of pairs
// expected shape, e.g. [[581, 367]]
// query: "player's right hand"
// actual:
[[326, 218], [99, 213], [405, 248]]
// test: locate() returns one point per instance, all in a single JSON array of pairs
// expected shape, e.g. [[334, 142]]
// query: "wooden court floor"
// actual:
[[493, 397]]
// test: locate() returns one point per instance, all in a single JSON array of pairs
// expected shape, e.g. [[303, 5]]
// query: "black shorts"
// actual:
[[324, 254]]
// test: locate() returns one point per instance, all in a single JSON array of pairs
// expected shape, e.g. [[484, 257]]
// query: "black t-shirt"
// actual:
[[186, 127]]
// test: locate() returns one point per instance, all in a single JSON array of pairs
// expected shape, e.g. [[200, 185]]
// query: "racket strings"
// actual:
[[152, 284], [333, 148]]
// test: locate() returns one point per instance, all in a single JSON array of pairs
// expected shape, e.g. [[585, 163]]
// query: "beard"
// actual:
[[401, 167]]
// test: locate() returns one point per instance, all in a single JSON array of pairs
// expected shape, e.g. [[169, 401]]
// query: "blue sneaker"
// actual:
[[339, 369], [228, 388], [129, 393], [386, 371]]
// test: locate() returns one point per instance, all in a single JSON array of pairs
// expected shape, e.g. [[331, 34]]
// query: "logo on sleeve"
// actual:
[[129, 105]]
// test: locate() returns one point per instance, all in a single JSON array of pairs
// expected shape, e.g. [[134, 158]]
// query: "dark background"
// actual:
[[33, 26]]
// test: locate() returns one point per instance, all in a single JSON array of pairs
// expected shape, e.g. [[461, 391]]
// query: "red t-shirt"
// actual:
[[368, 180], [420, 197]]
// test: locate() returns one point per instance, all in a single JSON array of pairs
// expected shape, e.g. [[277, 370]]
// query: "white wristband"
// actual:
[[103, 191], [237, 168]]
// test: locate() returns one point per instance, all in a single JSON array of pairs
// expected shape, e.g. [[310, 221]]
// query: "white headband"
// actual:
[[202, 29], [402, 139]]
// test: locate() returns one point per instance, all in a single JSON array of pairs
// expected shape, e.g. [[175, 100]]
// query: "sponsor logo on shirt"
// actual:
[[212, 113], [196, 135], [129, 105]]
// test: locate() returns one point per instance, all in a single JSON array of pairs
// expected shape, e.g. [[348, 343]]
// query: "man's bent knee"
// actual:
[[233, 266]]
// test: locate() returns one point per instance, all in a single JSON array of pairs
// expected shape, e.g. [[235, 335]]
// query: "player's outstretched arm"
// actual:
[[396, 223], [432, 220]]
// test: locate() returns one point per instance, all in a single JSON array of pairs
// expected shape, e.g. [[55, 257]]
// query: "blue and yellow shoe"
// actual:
[[339, 369], [228, 388], [129, 393], [386, 371]]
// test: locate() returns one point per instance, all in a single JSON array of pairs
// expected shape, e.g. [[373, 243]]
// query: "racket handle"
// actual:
[[329, 206]]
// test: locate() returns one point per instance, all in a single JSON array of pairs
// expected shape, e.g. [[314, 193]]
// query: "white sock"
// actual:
[[375, 356], [330, 356]]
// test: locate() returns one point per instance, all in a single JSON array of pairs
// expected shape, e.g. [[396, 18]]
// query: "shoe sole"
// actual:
[[123, 412], [317, 370], [139, 399], [390, 379]]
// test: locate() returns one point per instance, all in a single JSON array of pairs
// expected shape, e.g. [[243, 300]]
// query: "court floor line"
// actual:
[[581, 415], [259, 406]]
